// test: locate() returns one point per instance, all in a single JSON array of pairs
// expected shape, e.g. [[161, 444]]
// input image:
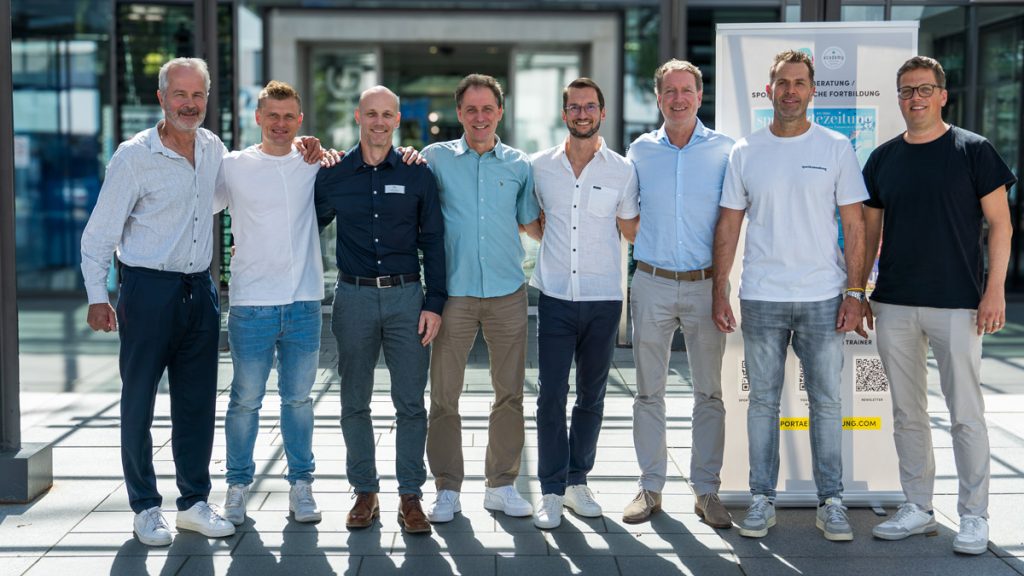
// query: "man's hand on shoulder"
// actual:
[[309, 147], [410, 155], [331, 157], [430, 323], [102, 317]]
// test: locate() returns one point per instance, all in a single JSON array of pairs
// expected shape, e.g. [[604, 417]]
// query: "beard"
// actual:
[[576, 133], [185, 123]]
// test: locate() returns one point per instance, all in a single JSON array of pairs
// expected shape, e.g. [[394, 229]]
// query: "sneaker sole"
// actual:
[[501, 508], [205, 531], [699, 512], [236, 522], [315, 517], [972, 551], [928, 530], [833, 536], [750, 533], [443, 519], [153, 541], [577, 512], [543, 526]]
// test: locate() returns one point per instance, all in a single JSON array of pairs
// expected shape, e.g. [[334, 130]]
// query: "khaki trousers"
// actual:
[[904, 333], [503, 321]]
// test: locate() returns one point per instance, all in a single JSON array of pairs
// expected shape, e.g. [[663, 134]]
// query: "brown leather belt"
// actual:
[[690, 276]]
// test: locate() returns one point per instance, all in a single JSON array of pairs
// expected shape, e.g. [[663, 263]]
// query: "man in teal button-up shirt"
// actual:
[[486, 191]]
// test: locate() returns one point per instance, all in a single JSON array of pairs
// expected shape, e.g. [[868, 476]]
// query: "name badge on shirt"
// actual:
[[394, 189]]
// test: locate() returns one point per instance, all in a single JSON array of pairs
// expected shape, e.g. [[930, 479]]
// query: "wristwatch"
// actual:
[[855, 294]]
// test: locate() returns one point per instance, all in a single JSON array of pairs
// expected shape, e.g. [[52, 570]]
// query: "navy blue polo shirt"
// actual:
[[385, 214]]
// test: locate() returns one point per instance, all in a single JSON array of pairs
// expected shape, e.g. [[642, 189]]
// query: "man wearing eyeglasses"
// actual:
[[679, 168], [932, 187], [588, 194]]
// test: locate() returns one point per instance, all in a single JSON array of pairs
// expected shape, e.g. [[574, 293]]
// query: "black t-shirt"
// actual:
[[932, 221]]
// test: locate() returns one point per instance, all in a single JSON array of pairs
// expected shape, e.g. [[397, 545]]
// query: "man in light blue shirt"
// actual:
[[680, 168], [486, 191]]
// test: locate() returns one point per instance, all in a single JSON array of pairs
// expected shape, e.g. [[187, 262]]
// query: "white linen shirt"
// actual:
[[154, 209], [580, 252], [277, 259]]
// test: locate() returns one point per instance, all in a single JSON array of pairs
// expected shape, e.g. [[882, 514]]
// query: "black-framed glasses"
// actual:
[[924, 90], [575, 109]]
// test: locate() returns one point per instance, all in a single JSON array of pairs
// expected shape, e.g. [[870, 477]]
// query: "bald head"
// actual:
[[379, 95]]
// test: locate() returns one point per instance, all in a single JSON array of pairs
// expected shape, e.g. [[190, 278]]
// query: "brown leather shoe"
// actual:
[[711, 510], [643, 505], [363, 512], [411, 516]]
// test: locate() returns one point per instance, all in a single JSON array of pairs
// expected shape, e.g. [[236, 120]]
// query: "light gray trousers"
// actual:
[[659, 306], [904, 334]]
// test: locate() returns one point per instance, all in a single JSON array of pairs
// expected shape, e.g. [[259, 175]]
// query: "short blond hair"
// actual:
[[675, 65], [277, 90]]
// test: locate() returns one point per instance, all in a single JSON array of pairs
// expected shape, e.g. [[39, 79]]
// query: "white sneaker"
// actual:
[[549, 512], [151, 528], [301, 502], [973, 536], [910, 519], [580, 500], [205, 520], [445, 505], [234, 503], [507, 499]]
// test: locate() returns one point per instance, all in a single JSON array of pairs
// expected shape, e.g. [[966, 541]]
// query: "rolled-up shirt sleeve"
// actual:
[[103, 232]]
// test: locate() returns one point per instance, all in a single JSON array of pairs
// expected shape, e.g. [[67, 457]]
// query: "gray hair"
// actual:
[[197, 64]]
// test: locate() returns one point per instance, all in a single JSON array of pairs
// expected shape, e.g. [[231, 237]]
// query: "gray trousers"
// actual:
[[659, 306], [904, 333]]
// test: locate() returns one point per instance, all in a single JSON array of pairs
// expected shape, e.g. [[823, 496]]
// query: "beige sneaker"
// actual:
[[710, 509], [641, 508]]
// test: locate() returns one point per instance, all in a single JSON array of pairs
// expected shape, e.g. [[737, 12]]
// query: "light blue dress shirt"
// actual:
[[679, 193], [484, 198]]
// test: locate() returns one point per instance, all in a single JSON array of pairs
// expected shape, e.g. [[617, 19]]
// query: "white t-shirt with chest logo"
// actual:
[[791, 188]]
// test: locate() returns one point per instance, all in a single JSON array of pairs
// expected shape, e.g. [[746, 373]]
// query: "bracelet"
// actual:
[[854, 289]]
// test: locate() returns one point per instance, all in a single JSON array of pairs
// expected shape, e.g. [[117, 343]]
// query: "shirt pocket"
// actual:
[[602, 201]]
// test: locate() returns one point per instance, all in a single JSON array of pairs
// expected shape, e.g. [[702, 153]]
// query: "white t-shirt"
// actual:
[[790, 188], [580, 253], [277, 259]]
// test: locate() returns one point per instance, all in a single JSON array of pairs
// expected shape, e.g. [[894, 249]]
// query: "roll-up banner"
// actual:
[[855, 68]]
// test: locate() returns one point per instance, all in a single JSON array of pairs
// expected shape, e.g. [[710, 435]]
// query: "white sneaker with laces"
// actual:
[[234, 503], [580, 499], [202, 518], [760, 517], [301, 502], [549, 512], [446, 505], [151, 528], [973, 535], [507, 499], [832, 520], [910, 519]]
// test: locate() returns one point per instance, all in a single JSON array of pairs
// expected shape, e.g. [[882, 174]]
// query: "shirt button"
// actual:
[[374, 168], [376, 216], [573, 227], [378, 261], [376, 239], [197, 219], [573, 249], [573, 205], [577, 185], [573, 271], [374, 191]]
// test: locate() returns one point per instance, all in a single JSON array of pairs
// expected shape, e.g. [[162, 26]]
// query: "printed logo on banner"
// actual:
[[833, 57], [745, 381], [860, 125]]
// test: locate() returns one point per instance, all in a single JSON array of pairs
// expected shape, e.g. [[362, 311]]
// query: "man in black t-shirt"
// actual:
[[932, 187]]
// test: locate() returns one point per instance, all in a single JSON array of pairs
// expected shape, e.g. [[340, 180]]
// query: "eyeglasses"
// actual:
[[924, 90], [575, 109]]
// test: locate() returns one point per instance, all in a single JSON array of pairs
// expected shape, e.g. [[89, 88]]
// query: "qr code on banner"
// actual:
[[801, 381], [869, 376], [744, 381]]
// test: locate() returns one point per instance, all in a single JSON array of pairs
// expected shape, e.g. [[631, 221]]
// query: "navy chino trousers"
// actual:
[[168, 320]]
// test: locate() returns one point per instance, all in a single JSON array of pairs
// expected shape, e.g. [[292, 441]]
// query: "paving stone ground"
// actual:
[[82, 526]]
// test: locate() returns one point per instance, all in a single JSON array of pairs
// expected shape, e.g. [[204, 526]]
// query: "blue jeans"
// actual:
[[364, 320], [255, 333], [584, 331], [768, 328]]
